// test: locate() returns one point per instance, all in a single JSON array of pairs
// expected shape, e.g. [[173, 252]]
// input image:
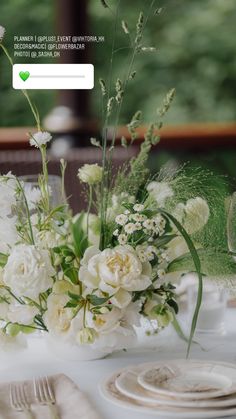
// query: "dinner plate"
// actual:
[[187, 379], [126, 382], [110, 392]]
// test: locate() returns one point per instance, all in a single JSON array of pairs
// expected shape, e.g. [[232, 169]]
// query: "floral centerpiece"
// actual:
[[86, 280]]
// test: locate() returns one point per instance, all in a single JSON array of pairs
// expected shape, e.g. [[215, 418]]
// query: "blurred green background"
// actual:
[[196, 54]]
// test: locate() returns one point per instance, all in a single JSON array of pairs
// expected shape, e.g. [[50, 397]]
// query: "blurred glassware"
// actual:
[[54, 182], [231, 224], [211, 318]]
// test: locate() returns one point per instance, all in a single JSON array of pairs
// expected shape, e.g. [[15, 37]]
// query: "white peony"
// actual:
[[113, 270], [197, 213], [40, 138], [8, 234], [90, 173], [23, 314], [8, 187], [28, 271], [2, 33], [160, 191]]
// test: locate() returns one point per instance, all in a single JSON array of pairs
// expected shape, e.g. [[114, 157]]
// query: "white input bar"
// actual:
[[53, 76]]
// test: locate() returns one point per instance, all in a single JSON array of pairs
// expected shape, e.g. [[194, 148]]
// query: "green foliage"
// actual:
[[214, 263], [79, 236]]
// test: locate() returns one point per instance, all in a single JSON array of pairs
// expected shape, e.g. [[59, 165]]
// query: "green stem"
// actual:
[[89, 207], [27, 211], [197, 263]]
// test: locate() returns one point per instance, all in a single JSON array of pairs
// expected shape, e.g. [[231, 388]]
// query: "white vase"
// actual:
[[72, 352], [105, 345]]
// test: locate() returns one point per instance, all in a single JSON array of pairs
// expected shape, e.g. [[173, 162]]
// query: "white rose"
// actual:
[[114, 269], [40, 138], [90, 173], [8, 234], [58, 318], [160, 191], [2, 33], [28, 271], [104, 322], [7, 194], [23, 314]]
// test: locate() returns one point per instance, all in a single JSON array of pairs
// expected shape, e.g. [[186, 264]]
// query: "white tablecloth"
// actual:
[[37, 360]]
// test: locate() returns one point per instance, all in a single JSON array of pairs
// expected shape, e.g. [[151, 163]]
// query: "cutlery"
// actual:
[[19, 401], [45, 396]]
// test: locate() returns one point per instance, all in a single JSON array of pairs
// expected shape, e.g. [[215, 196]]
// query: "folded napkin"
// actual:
[[71, 403]]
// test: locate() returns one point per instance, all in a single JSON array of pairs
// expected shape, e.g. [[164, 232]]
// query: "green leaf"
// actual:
[[197, 265], [172, 303], [70, 272], [97, 301], [3, 259], [214, 262], [163, 240], [72, 304], [75, 297], [79, 236]]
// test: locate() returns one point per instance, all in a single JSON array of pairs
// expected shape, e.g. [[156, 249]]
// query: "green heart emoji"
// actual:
[[24, 75]]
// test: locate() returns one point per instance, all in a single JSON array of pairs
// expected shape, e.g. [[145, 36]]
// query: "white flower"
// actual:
[[138, 217], [2, 33], [160, 191], [196, 214], [121, 219], [40, 138], [138, 226], [23, 314], [130, 228], [58, 318], [138, 207], [104, 322], [86, 336], [149, 224], [122, 239], [28, 271], [126, 212], [47, 239], [114, 269], [90, 173], [116, 233], [8, 187], [8, 234], [33, 196]]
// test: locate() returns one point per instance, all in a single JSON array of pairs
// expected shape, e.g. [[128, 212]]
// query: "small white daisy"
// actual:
[[130, 228], [138, 217], [121, 219], [40, 138], [138, 207], [116, 232], [149, 224], [122, 239], [127, 212], [138, 226]]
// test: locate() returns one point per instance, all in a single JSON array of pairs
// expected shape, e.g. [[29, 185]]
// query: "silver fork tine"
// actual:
[[18, 399], [49, 389]]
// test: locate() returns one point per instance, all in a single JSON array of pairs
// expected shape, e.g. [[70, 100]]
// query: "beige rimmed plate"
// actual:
[[189, 380], [110, 392], [127, 384]]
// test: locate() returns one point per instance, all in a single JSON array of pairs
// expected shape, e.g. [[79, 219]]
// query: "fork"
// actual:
[[19, 401], [44, 395]]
